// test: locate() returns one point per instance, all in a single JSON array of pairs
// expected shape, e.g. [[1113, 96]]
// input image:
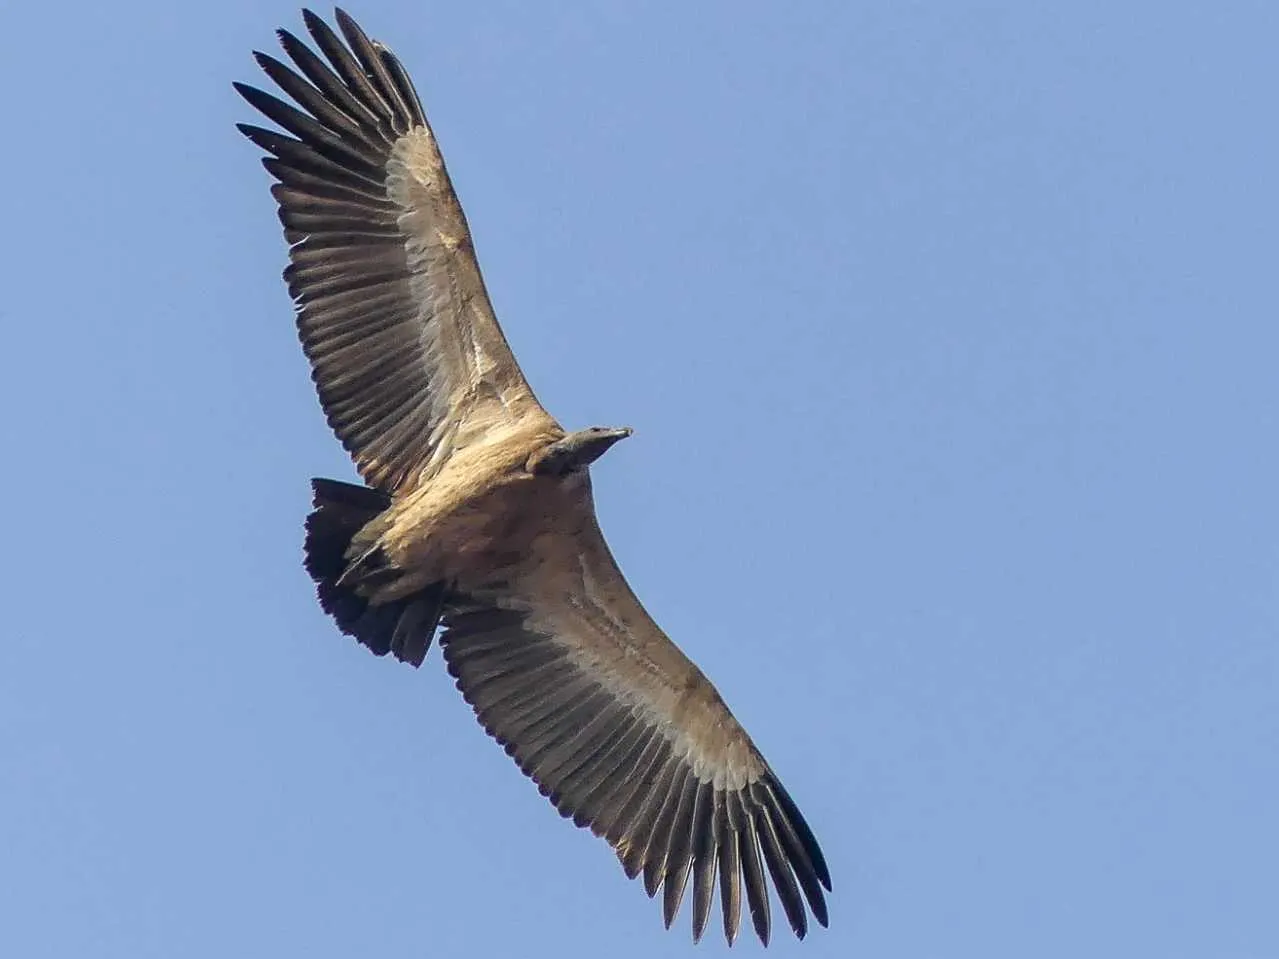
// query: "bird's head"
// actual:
[[576, 451]]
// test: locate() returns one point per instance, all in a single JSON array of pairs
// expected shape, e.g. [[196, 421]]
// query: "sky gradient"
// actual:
[[949, 335]]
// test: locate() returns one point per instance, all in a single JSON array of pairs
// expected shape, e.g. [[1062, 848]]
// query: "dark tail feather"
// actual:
[[404, 626]]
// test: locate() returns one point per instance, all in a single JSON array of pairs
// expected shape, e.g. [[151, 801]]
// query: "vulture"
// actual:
[[476, 518]]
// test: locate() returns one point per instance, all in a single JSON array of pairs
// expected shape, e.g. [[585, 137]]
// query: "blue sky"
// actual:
[[949, 335]]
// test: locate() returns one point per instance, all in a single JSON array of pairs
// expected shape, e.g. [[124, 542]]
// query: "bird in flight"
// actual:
[[477, 520]]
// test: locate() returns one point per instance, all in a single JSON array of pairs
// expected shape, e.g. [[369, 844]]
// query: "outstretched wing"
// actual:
[[624, 734], [405, 351]]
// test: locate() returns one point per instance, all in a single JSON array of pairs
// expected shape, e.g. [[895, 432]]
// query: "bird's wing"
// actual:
[[625, 735], [406, 353]]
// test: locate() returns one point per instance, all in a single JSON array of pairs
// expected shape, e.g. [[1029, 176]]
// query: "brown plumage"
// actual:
[[478, 514]]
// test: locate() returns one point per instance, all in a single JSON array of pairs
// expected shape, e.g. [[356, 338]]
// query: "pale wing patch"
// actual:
[[441, 243]]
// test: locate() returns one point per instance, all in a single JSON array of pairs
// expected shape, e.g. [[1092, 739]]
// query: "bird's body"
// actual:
[[478, 519], [480, 511]]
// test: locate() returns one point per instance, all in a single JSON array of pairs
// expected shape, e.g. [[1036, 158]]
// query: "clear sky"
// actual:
[[949, 334]]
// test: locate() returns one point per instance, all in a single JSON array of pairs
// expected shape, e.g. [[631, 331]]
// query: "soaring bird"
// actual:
[[477, 520]]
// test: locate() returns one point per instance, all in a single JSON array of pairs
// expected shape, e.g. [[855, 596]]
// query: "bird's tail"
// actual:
[[403, 626]]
